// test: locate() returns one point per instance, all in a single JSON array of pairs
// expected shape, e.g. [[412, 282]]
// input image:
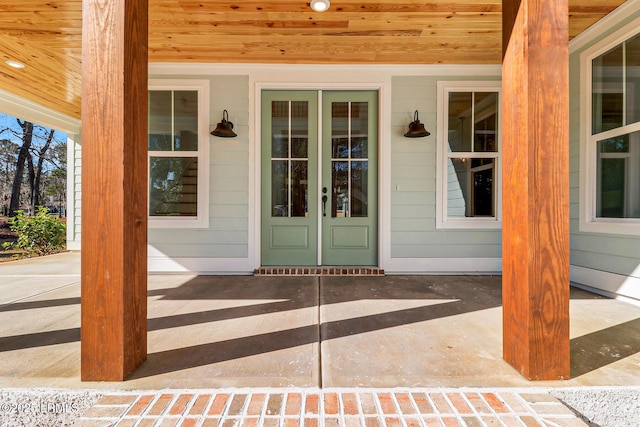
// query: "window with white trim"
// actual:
[[178, 153], [610, 173], [469, 145]]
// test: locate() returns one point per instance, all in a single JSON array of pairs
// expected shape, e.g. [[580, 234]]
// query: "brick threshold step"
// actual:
[[318, 271]]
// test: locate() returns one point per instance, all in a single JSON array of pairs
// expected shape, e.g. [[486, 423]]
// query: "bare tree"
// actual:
[[23, 156], [39, 153]]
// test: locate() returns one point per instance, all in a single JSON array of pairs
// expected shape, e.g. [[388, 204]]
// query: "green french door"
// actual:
[[319, 178]]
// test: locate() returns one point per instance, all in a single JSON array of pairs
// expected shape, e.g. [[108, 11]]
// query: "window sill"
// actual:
[[626, 227], [177, 222], [468, 224]]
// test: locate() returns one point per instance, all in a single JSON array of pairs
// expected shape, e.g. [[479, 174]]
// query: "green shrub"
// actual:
[[41, 234]]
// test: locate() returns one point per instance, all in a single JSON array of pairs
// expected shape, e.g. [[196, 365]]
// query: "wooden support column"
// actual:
[[114, 188], [535, 232]]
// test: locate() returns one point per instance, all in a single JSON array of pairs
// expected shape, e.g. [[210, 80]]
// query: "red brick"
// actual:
[[189, 422], [147, 422], [459, 403], [200, 404], [114, 399], [255, 404], [372, 422], [218, 404], [431, 422], [290, 422], [450, 422], [237, 404], [274, 405], [495, 403], [142, 403], [331, 406], [392, 422], [293, 404], [350, 404], [412, 422], [478, 403], [368, 404], [161, 404], [386, 403], [310, 422], [311, 404], [530, 421], [180, 404], [249, 422], [440, 403], [210, 422], [404, 401], [422, 403]]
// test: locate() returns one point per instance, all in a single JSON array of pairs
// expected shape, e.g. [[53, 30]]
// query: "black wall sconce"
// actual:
[[224, 129], [416, 129]]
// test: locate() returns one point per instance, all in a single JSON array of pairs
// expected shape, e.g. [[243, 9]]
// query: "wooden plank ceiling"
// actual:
[[45, 35]]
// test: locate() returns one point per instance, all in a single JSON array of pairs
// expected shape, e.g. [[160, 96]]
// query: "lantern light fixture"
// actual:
[[224, 129], [416, 129]]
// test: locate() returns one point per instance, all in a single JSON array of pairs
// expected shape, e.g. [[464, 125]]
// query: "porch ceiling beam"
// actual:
[[114, 214], [535, 242]]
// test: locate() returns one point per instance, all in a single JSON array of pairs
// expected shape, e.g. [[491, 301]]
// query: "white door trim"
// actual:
[[382, 84]]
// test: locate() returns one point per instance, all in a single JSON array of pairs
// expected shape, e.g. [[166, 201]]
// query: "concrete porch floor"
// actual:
[[243, 331]]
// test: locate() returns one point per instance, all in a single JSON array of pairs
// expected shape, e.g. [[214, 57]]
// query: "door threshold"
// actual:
[[318, 271]]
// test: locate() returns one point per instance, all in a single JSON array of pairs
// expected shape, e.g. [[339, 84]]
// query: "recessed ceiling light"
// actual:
[[319, 5], [14, 64]]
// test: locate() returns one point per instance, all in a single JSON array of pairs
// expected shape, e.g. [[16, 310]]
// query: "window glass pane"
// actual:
[[280, 129], [460, 121], [359, 130], [633, 79], [186, 120], [359, 188], [173, 189], [340, 130], [300, 129], [160, 131], [608, 88], [471, 188], [299, 187], [486, 122], [619, 177], [340, 189], [279, 188]]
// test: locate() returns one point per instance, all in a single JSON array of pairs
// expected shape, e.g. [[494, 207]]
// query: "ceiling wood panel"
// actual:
[[46, 36]]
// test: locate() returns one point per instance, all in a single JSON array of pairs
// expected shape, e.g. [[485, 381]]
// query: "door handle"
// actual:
[[324, 201]]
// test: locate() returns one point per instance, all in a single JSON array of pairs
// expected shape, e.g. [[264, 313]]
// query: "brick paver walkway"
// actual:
[[330, 408]]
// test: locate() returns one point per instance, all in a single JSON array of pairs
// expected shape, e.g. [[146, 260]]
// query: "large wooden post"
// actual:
[[535, 242], [114, 201]]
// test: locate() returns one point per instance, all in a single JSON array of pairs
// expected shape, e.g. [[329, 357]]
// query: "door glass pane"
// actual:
[[359, 188], [608, 89], [280, 129], [299, 129], [299, 188], [633, 78], [173, 188], [339, 130], [186, 120], [279, 188], [160, 130], [460, 121], [340, 189], [359, 130]]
